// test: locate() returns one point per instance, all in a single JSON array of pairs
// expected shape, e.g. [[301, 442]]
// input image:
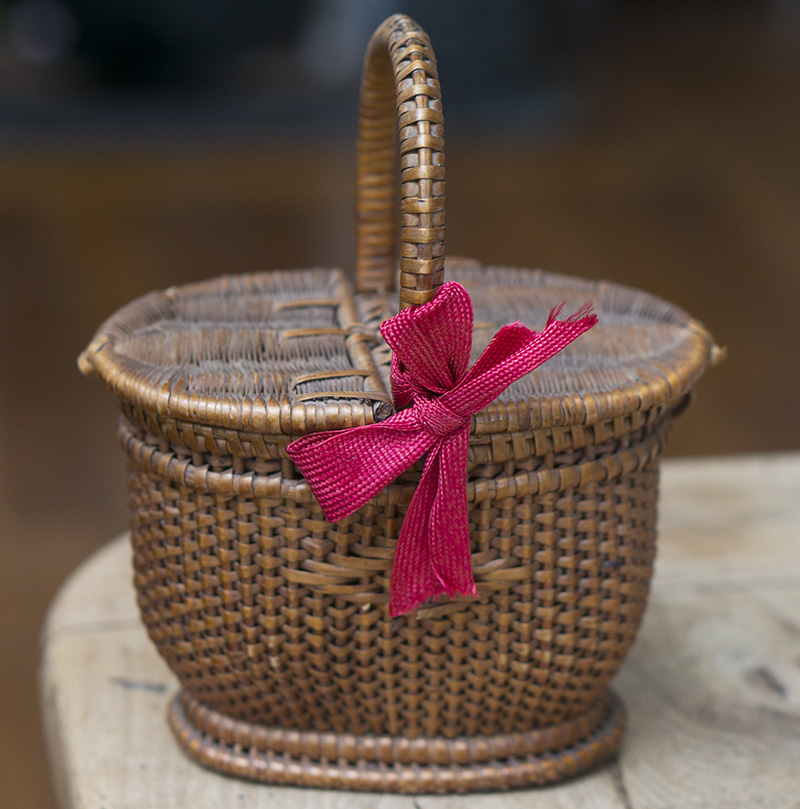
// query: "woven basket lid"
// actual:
[[644, 352], [296, 351], [290, 352]]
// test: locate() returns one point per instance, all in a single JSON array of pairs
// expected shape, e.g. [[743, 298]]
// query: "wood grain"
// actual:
[[712, 684]]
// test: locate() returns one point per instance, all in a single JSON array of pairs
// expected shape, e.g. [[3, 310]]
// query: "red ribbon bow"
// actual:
[[431, 346]]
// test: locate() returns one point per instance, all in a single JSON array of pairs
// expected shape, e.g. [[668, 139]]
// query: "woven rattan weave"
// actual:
[[276, 621]]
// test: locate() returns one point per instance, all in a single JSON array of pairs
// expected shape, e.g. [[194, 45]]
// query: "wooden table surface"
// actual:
[[712, 684]]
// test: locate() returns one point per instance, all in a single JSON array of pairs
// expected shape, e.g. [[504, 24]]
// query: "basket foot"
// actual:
[[389, 764]]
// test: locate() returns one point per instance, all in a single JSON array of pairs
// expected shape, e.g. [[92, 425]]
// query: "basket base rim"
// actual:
[[204, 736]]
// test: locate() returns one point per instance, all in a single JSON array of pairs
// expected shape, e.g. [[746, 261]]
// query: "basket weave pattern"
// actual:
[[260, 605]]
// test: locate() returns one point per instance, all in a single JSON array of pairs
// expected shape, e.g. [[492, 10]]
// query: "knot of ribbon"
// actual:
[[435, 395], [436, 417]]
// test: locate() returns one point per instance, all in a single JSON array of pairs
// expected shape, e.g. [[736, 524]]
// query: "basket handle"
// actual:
[[400, 93]]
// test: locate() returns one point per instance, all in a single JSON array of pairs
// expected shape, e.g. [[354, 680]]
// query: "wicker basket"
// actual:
[[275, 620]]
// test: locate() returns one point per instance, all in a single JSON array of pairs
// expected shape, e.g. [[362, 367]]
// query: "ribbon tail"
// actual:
[[346, 468], [449, 531], [433, 554], [512, 353]]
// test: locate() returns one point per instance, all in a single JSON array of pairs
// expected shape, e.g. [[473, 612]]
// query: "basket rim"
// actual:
[[183, 472], [660, 379]]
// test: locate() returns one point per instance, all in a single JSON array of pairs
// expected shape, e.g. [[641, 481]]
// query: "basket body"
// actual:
[[276, 621], [271, 616]]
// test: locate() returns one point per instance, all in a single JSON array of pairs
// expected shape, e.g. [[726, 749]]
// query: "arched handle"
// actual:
[[400, 93]]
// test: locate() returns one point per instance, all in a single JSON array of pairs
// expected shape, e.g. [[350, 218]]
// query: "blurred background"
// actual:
[[146, 143]]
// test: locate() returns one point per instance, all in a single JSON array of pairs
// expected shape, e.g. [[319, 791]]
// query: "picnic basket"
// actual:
[[275, 620]]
